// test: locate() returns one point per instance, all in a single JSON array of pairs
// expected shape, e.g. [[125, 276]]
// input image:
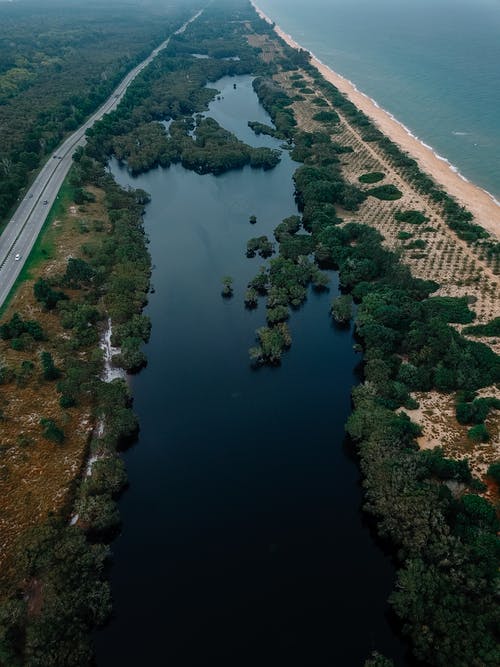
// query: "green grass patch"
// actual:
[[385, 192], [372, 177]]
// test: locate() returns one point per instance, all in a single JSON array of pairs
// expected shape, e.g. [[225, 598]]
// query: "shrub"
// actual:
[[46, 295], [417, 243], [326, 116], [411, 217], [17, 326], [490, 329], [227, 286], [51, 431], [342, 308], [494, 472], [50, 372], [449, 309], [372, 177], [385, 192], [479, 433]]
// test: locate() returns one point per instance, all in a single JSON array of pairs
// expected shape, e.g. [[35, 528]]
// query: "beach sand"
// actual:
[[480, 203]]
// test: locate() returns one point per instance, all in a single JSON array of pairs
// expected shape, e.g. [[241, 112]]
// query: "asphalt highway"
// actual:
[[25, 225]]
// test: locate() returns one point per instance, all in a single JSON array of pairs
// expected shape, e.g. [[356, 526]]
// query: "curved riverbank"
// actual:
[[485, 208]]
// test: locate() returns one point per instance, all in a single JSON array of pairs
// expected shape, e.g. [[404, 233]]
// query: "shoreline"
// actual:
[[481, 203]]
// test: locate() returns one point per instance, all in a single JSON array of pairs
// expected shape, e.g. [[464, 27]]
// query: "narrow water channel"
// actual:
[[243, 542]]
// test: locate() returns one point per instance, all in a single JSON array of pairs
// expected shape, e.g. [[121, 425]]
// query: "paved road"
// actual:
[[23, 229]]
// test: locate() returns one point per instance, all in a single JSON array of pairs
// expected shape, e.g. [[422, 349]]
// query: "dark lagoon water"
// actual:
[[434, 64], [243, 543]]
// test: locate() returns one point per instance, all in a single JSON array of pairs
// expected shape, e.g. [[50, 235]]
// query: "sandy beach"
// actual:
[[482, 205]]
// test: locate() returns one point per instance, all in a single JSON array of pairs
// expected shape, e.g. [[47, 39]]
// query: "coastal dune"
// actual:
[[481, 204]]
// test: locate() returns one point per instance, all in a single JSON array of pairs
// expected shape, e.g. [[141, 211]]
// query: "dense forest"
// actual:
[[59, 61], [443, 533]]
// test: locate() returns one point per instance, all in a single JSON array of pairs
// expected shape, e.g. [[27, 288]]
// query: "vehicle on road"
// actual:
[[45, 202], [17, 257]]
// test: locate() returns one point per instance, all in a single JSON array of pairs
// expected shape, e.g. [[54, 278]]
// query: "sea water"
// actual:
[[433, 64]]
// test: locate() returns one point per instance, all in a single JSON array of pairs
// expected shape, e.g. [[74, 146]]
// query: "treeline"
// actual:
[[58, 62], [202, 146], [427, 505], [62, 593], [175, 89], [62, 590], [445, 534]]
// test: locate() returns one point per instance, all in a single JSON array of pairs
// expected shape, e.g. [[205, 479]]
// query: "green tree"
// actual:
[[50, 372], [342, 308], [227, 286]]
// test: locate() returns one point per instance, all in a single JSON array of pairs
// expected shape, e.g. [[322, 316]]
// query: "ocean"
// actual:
[[433, 64]]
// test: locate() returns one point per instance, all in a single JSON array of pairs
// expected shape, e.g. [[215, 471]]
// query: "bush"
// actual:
[[411, 217], [494, 472], [385, 192], [477, 411], [261, 245], [326, 116], [50, 372], [490, 329], [98, 514], [372, 177], [378, 660], [17, 326], [51, 431], [251, 298], [78, 273], [130, 357], [46, 295], [273, 342], [449, 309], [444, 468], [416, 244], [342, 308], [227, 286], [479, 433]]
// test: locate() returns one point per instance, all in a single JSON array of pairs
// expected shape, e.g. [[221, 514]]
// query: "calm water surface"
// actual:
[[243, 542]]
